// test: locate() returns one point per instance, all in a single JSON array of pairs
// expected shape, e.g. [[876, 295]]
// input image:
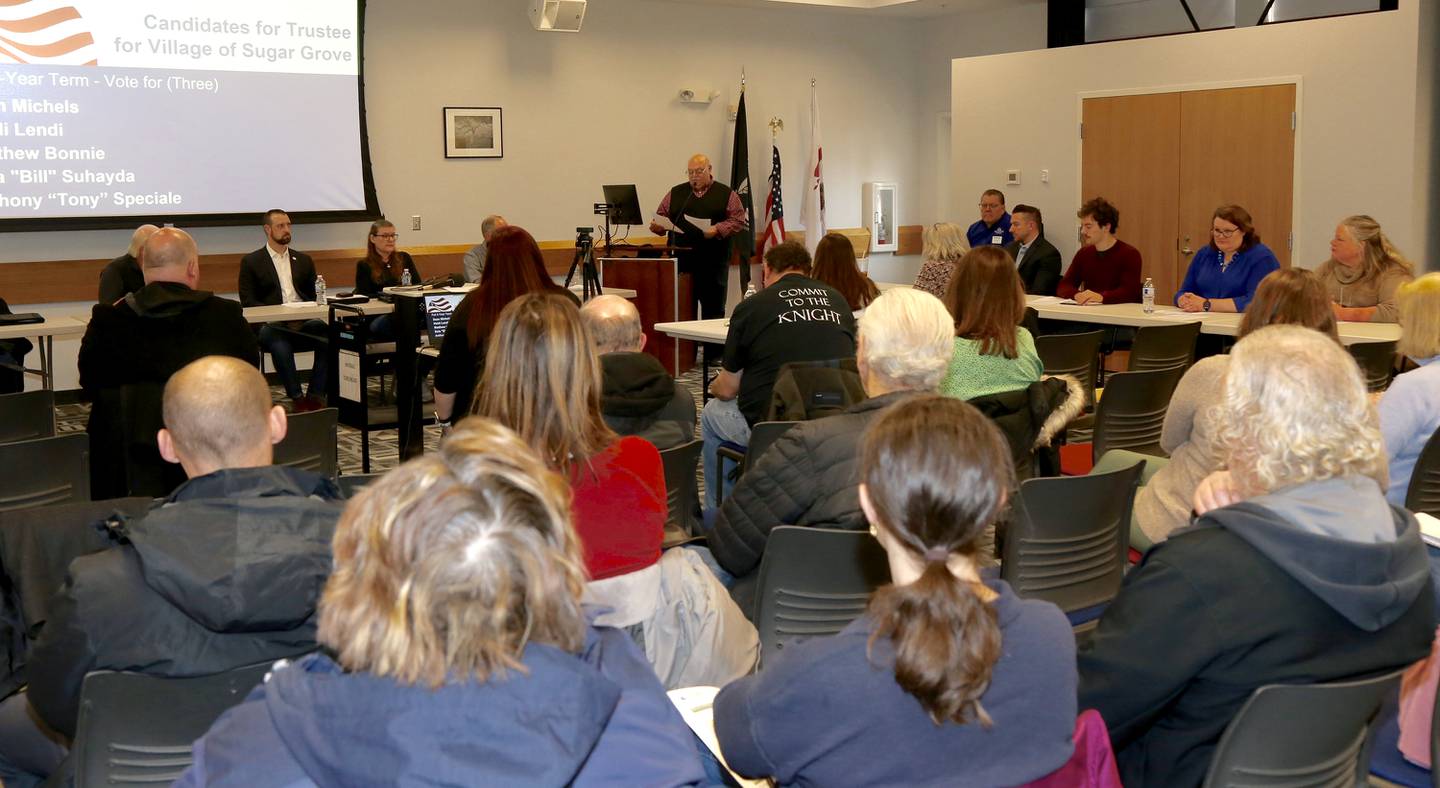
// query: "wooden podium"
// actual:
[[663, 295]]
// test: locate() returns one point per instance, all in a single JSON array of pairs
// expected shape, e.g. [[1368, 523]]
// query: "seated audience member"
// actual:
[[638, 397], [122, 276], [1364, 271], [542, 378], [948, 678], [1106, 270], [1410, 409], [12, 359], [514, 267], [810, 475], [795, 318], [1297, 570], [992, 353], [456, 650], [944, 245], [223, 573], [145, 338], [475, 258], [1223, 275], [1037, 261], [993, 228], [276, 274], [383, 263], [835, 265], [1292, 296]]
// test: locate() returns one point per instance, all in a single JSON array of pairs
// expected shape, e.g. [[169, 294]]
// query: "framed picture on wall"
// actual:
[[473, 133]]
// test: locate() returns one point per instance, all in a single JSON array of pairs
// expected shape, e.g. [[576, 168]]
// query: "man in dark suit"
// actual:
[[1036, 259], [122, 276], [276, 274]]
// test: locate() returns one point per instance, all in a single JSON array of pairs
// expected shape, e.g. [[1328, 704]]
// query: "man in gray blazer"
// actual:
[[1036, 259]]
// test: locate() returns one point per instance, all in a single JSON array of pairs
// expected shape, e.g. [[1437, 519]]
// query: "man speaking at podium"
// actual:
[[702, 215]]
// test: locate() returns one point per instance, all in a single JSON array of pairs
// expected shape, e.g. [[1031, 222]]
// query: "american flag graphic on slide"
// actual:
[[44, 32]]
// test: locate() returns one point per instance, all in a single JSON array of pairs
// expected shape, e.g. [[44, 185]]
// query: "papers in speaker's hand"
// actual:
[[664, 222], [696, 707]]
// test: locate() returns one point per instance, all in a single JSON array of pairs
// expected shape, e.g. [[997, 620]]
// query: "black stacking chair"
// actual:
[[813, 582], [1077, 355], [1302, 734], [1131, 412], [761, 436], [1423, 494], [310, 442], [27, 416], [45, 471], [681, 491], [1377, 362], [1164, 347], [135, 729], [1068, 541], [354, 483]]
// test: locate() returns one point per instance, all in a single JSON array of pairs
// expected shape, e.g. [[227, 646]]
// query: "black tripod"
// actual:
[[585, 261]]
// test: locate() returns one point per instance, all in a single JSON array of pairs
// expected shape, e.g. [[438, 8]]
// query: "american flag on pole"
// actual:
[[774, 212]]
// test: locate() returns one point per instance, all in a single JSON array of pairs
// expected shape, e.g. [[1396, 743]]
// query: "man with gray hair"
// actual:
[[224, 572], [810, 475], [122, 276], [638, 397], [475, 258]]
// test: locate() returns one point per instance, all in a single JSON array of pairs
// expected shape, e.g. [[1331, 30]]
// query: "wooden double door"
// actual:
[[1168, 160]]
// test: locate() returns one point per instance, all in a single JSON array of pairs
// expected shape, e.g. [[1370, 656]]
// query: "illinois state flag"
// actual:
[[812, 212]]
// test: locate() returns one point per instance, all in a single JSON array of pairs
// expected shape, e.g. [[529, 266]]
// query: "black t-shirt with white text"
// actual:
[[794, 319]]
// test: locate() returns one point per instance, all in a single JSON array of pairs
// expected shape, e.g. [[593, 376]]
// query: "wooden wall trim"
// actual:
[[55, 281]]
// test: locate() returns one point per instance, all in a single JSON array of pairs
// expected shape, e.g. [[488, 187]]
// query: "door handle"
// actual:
[[1186, 250]]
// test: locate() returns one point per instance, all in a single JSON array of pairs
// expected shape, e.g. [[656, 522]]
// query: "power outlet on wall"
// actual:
[[415, 222]]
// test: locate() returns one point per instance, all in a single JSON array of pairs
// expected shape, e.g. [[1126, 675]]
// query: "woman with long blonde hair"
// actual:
[[944, 245], [456, 651], [1364, 271], [1410, 409]]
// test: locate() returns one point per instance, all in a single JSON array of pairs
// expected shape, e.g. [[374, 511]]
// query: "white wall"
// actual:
[[1357, 141]]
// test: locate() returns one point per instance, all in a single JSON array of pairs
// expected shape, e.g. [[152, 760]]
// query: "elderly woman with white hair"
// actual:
[[810, 476], [1296, 571]]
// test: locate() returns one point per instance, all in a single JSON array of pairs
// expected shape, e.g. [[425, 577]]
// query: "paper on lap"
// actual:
[[696, 707]]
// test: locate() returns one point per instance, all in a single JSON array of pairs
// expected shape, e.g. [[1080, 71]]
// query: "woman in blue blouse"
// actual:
[[1223, 276]]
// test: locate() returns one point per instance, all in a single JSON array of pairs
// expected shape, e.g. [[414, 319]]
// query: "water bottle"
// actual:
[[320, 291], [405, 278], [1147, 295], [750, 290]]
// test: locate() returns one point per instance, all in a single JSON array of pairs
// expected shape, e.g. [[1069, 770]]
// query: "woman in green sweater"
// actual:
[[992, 352]]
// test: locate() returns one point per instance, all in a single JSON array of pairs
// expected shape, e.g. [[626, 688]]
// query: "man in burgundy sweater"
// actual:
[[1106, 270]]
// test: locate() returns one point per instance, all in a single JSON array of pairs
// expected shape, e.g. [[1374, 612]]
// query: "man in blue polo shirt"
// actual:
[[994, 225]]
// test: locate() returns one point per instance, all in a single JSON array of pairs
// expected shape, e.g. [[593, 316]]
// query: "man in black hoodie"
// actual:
[[1296, 571], [134, 345], [225, 572], [639, 397]]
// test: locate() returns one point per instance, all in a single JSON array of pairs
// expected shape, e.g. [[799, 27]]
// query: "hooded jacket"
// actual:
[[1318, 582], [223, 573], [599, 718], [640, 398]]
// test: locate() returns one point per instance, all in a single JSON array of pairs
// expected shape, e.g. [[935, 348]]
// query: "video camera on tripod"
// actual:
[[584, 261]]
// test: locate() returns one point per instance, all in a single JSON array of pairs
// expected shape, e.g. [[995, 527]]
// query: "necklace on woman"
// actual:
[[1223, 262]]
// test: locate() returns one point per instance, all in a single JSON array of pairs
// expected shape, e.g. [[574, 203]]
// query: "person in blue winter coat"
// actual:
[[455, 649]]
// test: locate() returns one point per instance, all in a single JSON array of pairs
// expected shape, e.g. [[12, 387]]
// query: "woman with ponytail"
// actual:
[[948, 678]]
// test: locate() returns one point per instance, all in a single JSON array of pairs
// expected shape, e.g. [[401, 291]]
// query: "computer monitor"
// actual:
[[624, 204], [438, 309]]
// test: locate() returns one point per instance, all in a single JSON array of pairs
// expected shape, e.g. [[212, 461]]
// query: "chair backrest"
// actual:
[[813, 582], [1302, 734], [1164, 347], [27, 416], [762, 436], [1069, 538], [1077, 355], [807, 390], [45, 471], [1423, 494], [136, 729], [310, 442], [1377, 362], [1132, 409], [681, 490], [354, 483]]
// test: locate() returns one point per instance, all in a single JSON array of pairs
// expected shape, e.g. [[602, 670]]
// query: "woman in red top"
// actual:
[[542, 379]]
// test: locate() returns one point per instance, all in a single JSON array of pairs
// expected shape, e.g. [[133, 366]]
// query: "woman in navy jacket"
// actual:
[[461, 654], [1223, 276]]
